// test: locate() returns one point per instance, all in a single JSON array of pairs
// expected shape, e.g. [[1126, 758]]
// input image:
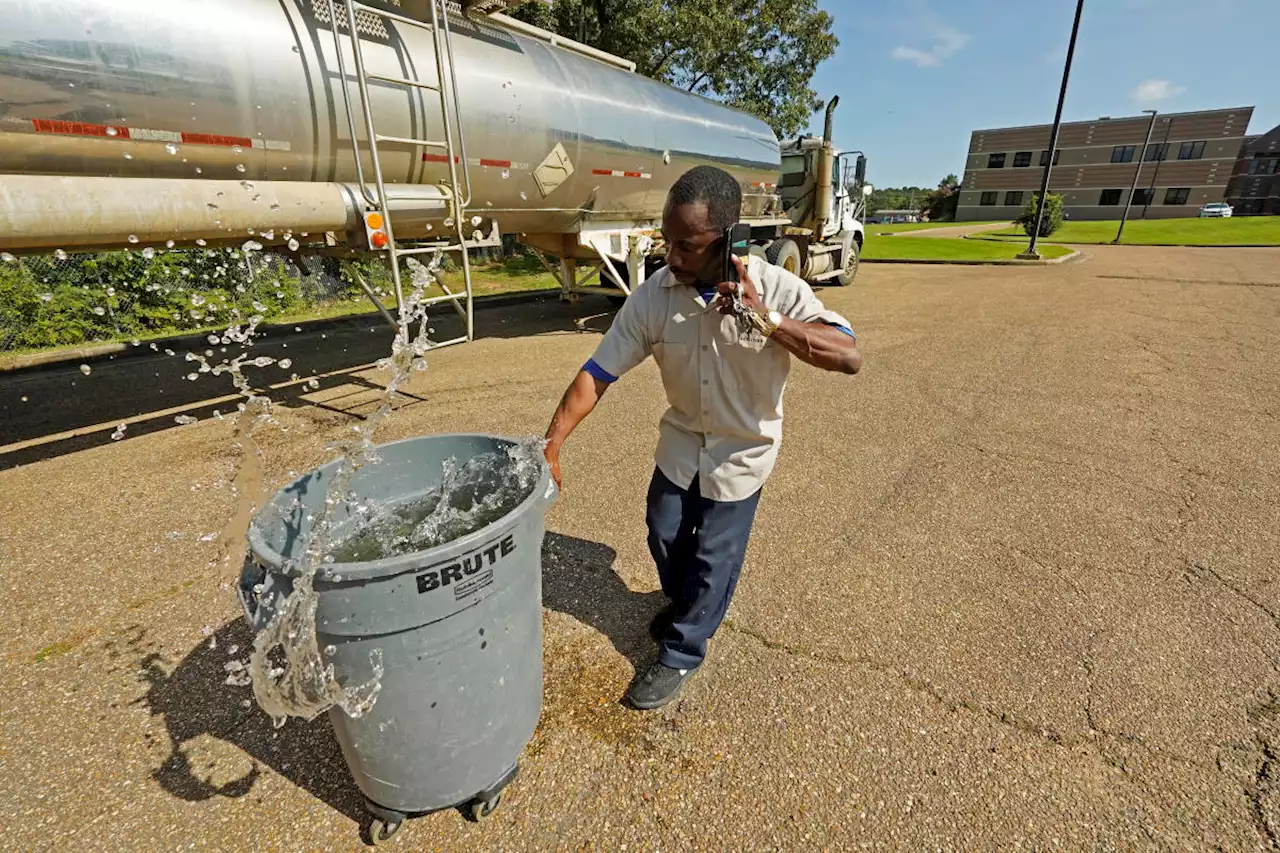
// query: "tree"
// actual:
[[895, 198], [940, 204], [755, 55], [1052, 214]]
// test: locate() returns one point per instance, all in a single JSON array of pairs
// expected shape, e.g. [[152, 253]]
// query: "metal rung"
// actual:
[[407, 140], [420, 250], [435, 300], [403, 82], [390, 16], [449, 343]]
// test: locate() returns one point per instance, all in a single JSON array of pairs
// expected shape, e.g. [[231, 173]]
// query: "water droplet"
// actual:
[[448, 223], [201, 242], [111, 131], [183, 420], [119, 432], [192, 377], [197, 300], [293, 245], [506, 173], [199, 171], [313, 384], [171, 148], [252, 246], [240, 167], [86, 369], [169, 244], [133, 238], [148, 253], [46, 297], [99, 310], [111, 291], [60, 254], [236, 149], [524, 196], [128, 156], [135, 342], [275, 208], [7, 258], [285, 363]]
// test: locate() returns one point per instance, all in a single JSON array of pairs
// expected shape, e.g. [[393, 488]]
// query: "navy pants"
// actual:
[[698, 546]]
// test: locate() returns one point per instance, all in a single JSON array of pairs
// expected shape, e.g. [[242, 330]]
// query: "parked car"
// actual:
[[1215, 208]]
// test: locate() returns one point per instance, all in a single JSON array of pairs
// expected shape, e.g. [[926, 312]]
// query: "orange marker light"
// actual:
[[374, 221], [378, 240]]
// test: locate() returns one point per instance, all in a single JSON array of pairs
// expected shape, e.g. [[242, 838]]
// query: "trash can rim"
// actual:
[[273, 560]]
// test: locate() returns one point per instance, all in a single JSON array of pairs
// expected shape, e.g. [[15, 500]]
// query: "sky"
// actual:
[[916, 77]]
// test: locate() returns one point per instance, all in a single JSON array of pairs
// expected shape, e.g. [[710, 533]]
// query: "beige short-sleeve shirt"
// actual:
[[724, 424]]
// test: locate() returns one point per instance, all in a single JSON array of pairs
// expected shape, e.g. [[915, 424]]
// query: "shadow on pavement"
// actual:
[[578, 580], [195, 701], [152, 386]]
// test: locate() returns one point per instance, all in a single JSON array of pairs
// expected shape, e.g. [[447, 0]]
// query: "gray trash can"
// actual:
[[459, 627]]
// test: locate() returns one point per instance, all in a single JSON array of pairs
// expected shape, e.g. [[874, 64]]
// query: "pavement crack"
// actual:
[[913, 682], [1200, 570]]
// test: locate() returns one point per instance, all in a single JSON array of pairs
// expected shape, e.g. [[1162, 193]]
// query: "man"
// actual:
[[724, 351]]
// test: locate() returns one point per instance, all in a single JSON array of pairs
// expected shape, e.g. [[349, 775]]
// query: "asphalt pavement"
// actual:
[[1013, 587]]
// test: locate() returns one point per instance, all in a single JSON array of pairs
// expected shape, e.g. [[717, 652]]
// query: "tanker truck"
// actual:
[[417, 126]]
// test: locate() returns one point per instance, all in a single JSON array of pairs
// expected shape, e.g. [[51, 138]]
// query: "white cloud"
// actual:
[[942, 42], [1150, 91]]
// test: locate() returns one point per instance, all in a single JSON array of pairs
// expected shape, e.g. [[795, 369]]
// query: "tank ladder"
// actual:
[[453, 145]]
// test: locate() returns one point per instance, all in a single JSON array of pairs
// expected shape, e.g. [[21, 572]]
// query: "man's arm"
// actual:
[[578, 401], [814, 342], [824, 346]]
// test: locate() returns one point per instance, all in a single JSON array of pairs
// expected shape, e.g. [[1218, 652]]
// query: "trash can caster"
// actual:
[[458, 627]]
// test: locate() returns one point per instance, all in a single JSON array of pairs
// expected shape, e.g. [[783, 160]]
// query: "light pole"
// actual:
[[1031, 253], [1142, 155]]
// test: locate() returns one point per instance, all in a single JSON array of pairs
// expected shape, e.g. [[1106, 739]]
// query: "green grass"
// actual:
[[903, 227], [1163, 232], [946, 249]]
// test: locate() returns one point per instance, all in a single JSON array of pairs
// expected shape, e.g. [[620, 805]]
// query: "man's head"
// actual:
[[700, 206]]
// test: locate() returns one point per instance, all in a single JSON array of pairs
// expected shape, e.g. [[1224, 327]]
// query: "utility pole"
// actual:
[[1142, 155], [1031, 253]]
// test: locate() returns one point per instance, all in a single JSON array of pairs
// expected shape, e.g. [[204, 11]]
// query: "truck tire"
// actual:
[[785, 252], [849, 257]]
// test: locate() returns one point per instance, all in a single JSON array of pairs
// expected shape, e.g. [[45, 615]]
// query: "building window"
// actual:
[[1013, 198], [1022, 159], [1044, 157], [1123, 153], [1110, 197], [988, 198], [1177, 195], [1142, 196], [1264, 166], [995, 161], [1191, 151], [1156, 152]]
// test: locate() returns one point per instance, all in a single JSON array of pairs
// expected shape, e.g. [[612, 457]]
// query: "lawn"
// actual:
[[903, 227], [947, 249], [1163, 232]]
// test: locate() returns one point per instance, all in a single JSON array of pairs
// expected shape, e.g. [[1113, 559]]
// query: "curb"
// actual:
[[1010, 262], [111, 351], [1143, 245]]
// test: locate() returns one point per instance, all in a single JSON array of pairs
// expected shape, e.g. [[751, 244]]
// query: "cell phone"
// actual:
[[737, 239]]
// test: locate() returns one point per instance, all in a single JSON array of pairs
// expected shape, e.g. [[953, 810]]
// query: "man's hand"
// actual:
[[750, 295], [552, 452]]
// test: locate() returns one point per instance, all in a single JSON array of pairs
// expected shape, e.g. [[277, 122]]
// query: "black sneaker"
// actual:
[[658, 686], [661, 622]]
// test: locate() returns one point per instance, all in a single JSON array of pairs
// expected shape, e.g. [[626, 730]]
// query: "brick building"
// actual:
[[1189, 162], [1254, 187]]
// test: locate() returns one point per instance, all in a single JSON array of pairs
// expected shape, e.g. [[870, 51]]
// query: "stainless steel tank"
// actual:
[[191, 90]]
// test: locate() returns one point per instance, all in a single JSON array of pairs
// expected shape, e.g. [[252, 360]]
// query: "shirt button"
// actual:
[[705, 347]]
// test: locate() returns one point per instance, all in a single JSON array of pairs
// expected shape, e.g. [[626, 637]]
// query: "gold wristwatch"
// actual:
[[766, 323]]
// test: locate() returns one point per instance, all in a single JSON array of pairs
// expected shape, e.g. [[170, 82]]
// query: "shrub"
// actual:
[[1052, 215]]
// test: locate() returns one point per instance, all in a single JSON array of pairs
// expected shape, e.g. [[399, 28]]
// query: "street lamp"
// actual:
[[1142, 155], [1031, 253]]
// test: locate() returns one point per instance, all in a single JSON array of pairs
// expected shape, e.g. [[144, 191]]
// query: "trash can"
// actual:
[[459, 629]]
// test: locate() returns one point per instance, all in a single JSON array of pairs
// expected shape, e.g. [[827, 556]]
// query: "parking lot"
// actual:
[[1012, 587]]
